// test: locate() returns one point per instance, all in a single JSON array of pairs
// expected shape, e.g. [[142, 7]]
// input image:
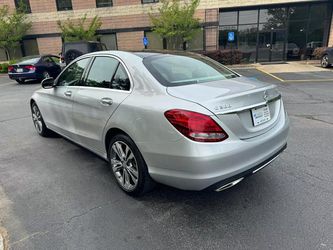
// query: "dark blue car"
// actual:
[[35, 68]]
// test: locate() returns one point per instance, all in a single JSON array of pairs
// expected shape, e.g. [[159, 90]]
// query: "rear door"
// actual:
[[57, 109], [106, 85]]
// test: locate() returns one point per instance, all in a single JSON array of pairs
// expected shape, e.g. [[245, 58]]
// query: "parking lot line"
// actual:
[[296, 80], [271, 75]]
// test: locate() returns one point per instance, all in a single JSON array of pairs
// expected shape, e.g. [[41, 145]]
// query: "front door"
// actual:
[[58, 111], [271, 45], [106, 86]]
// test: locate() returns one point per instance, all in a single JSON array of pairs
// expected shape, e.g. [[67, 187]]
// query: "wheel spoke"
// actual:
[[118, 150], [127, 179], [129, 157], [133, 173], [116, 165]]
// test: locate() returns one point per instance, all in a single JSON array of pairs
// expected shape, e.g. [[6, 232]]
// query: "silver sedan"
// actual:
[[179, 119]]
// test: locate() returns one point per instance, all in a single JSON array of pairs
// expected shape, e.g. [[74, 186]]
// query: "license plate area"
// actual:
[[260, 115], [19, 70]]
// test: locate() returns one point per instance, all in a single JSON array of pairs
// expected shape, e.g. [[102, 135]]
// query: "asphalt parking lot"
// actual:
[[57, 195]]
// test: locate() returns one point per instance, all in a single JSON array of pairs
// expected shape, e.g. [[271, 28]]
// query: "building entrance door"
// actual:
[[271, 45]]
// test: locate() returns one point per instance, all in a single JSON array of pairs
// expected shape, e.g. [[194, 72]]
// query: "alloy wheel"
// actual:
[[37, 119], [324, 61], [124, 165]]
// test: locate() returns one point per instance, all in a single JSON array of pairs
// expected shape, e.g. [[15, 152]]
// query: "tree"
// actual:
[[175, 21], [79, 30], [13, 27]]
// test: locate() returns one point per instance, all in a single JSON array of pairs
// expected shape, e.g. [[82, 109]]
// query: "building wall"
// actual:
[[130, 40], [330, 39], [123, 17], [49, 45]]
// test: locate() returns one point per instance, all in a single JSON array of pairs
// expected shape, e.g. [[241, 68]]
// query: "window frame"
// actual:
[[87, 71], [57, 3], [69, 65], [104, 6], [151, 1], [16, 2]]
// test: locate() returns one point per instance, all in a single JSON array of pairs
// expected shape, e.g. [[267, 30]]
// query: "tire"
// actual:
[[324, 61], [38, 121], [20, 81], [129, 169]]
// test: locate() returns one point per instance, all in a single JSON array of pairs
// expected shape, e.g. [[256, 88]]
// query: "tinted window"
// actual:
[[120, 79], [174, 70], [101, 72], [103, 3], [48, 60], [64, 4], [149, 1], [228, 18], [72, 75], [248, 16], [23, 5]]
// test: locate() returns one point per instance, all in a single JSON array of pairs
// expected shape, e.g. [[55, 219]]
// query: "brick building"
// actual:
[[264, 30]]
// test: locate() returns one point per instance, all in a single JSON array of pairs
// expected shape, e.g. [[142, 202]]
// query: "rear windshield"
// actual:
[[176, 70], [28, 60]]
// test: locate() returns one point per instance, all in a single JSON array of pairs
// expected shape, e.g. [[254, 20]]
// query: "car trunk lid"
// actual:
[[233, 101]]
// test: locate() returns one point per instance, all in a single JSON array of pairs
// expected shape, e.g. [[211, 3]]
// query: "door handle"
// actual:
[[68, 93], [106, 101]]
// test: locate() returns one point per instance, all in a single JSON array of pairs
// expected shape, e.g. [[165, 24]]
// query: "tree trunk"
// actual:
[[184, 45], [7, 54], [164, 43]]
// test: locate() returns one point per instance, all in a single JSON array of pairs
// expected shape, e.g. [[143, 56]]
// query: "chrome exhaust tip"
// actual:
[[229, 185]]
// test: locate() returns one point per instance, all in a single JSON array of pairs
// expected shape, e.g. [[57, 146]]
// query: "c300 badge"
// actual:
[[222, 107]]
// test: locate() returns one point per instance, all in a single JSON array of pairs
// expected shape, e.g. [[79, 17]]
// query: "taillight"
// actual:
[[196, 126], [10, 68], [30, 67]]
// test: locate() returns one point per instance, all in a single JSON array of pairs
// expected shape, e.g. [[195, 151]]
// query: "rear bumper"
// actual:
[[190, 165], [24, 76], [219, 185]]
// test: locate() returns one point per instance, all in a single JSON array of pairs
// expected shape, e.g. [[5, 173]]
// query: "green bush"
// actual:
[[4, 68]]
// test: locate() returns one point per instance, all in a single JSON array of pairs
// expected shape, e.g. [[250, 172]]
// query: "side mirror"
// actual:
[[48, 83]]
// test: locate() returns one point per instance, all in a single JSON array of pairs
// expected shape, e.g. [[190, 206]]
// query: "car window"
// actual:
[[101, 72], [121, 80], [55, 59], [72, 75], [47, 59], [175, 70]]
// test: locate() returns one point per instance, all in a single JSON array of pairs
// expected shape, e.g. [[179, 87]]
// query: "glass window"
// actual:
[[176, 70], [296, 39], [24, 5], [64, 5], [247, 41], [149, 1], [47, 60], [228, 18], [248, 16], [319, 12], [109, 40], [103, 3], [120, 79], [30, 47], [72, 75], [223, 37], [101, 72], [273, 18], [298, 13]]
